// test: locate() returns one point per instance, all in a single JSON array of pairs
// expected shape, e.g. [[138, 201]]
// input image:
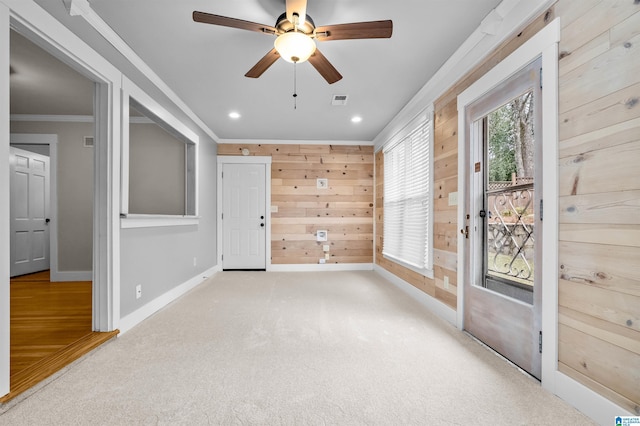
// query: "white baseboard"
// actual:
[[319, 267], [128, 322], [590, 403], [430, 303], [58, 276]]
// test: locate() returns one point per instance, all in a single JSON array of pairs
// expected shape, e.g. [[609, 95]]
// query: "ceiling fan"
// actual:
[[296, 31]]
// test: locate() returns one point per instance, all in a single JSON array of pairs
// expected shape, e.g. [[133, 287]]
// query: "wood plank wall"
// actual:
[[445, 164], [599, 156], [345, 209], [599, 193]]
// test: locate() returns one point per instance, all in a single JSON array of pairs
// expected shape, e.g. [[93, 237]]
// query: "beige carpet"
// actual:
[[262, 348]]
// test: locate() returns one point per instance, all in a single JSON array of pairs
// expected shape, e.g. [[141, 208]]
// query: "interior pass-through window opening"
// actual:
[[161, 159]]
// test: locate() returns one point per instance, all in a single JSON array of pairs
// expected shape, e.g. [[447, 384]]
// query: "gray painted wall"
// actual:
[[161, 258], [75, 191], [158, 258], [156, 171]]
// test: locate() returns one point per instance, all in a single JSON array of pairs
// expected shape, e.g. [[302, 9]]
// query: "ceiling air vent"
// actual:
[[339, 100]]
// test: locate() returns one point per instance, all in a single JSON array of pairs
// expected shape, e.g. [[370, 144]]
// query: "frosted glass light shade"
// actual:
[[294, 46]]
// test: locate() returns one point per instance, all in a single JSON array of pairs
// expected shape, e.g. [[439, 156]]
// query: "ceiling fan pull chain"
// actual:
[[295, 89]]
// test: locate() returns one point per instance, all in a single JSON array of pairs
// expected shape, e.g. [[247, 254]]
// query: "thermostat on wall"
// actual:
[[321, 235]]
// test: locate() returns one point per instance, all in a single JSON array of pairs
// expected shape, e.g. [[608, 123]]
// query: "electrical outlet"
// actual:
[[138, 291], [323, 261], [327, 256], [446, 282]]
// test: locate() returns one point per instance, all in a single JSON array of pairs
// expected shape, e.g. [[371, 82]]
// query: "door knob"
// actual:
[[262, 225], [47, 220], [261, 217]]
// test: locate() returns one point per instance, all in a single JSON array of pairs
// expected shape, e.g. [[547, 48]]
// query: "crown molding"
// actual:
[[499, 25], [52, 118], [292, 142], [70, 118], [83, 8]]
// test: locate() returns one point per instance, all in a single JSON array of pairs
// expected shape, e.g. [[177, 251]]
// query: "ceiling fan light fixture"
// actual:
[[295, 46]]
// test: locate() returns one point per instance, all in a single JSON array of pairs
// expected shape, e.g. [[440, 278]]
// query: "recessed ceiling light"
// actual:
[[235, 115], [356, 119]]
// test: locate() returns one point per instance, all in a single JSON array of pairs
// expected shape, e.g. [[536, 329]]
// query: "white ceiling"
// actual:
[[205, 64]]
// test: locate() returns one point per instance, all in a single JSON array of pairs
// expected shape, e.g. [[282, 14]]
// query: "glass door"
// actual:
[[502, 297], [509, 199]]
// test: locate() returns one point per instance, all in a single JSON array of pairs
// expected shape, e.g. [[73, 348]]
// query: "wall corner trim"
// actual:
[[77, 7]]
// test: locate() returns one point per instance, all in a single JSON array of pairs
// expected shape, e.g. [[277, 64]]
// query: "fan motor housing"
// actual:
[[284, 25]]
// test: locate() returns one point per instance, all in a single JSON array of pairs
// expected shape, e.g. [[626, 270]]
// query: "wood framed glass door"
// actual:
[[502, 295]]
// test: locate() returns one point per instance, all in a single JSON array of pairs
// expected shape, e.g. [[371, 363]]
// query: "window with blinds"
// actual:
[[407, 196]]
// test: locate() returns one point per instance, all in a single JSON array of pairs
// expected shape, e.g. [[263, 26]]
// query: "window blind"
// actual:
[[407, 194]]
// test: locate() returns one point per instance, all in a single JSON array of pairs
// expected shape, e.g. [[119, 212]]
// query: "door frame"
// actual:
[[35, 23], [544, 44], [237, 159], [52, 141]]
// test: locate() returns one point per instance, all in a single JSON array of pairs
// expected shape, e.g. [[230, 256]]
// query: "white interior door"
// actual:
[[29, 212], [244, 216]]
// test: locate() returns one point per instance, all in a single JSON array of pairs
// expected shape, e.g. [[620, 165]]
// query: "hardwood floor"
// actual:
[[51, 326]]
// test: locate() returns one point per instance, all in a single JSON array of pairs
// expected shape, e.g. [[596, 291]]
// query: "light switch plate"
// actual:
[[274, 209], [326, 247], [453, 198]]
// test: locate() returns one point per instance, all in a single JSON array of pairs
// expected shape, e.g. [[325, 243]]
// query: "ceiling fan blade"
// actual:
[[355, 30], [208, 18], [263, 64], [324, 67], [299, 7]]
